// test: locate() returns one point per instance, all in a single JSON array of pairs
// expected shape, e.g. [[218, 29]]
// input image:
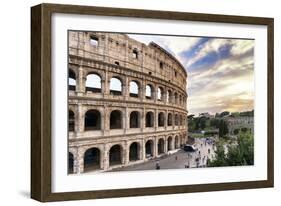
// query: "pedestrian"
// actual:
[[176, 157], [157, 165]]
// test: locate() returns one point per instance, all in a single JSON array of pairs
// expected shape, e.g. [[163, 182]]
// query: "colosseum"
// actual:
[[127, 101]]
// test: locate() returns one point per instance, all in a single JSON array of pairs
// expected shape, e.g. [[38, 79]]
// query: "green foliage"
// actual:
[[223, 128], [239, 154]]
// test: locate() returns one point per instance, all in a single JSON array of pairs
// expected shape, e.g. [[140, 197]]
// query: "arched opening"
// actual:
[[115, 86], [180, 100], [160, 94], [169, 96], [176, 98], [170, 143], [161, 119], [160, 146], [134, 119], [92, 120], [115, 155], [134, 89], [149, 149], [93, 83], [177, 142], [135, 54], [92, 159], [116, 119], [71, 120], [71, 80], [149, 119], [181, 120], [176, 120], [134, 151], [70, 163], [170, 119], [148, 91], [94, 41]]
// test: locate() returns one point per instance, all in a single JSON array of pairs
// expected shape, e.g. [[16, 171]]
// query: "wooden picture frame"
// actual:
[[41, 97]]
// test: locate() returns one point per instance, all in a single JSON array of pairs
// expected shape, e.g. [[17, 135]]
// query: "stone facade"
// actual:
[[237, 123], [111, 127]]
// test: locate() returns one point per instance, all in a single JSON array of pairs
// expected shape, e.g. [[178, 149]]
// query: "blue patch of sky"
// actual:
[[211, 58], [196, 48]]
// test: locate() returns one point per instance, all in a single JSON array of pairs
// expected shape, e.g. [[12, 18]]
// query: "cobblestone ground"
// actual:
[[179, 159]]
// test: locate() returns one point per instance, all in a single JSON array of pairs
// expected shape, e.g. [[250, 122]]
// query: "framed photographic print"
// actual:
[[130, 102]]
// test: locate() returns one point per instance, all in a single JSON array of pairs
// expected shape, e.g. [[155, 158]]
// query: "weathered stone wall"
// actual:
[[112, 56]]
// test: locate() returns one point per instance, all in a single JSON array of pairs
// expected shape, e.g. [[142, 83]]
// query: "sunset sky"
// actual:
[[220, 71]]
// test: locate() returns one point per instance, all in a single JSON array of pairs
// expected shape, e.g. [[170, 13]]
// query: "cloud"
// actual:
[[220, 71]]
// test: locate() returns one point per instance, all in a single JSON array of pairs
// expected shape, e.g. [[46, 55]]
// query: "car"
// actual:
[[189, 148]]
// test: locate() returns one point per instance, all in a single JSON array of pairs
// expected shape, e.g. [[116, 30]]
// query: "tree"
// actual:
[[225, 113], [239, 154], [223, 128], [220, 157]]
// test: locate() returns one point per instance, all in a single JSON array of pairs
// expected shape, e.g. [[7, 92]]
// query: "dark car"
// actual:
[[189, 148]]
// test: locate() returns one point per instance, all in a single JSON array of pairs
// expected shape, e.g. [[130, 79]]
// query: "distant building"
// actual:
[[240, 122]]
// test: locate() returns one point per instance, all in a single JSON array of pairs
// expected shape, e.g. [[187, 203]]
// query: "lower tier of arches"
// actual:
[[107, 156]]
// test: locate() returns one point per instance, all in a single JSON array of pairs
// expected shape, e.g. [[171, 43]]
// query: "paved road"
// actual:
[[179, 159]]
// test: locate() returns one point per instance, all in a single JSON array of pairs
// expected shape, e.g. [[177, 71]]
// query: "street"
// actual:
[[178, 159]]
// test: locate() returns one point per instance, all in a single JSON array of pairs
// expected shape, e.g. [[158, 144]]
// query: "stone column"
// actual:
[[143, 149], [165, 95], [166, 120], [106, 121], [155, 147], [81, 82], [156, 119], [105, 85], [125, 88], [142, 123], [165, 145], [126, 120], [78, 166], [143, 97], [106, 157], [126, 153], [80, 118], [173, 143], [155, 96]]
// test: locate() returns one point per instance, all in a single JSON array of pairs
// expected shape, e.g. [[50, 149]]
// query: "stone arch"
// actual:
[[149, 119], [176, 98], [160, 93], [71, 80], [71, 120], [149, 148], [161, 146], [177, 143], [170, 143], [149, 91], [161, 119], [115, 155], [70, 163], [116, 119], [134, 151], [115, 86], [180, 123], [134, 119], [92, 159], [134, 88], [180, 100], [170, 119], [169, 96], [176, 119], [92, 120], [93, 82]]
